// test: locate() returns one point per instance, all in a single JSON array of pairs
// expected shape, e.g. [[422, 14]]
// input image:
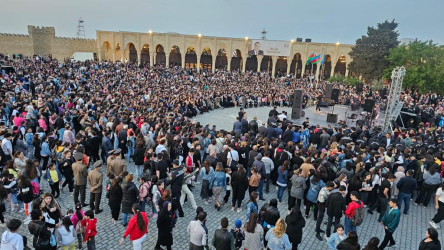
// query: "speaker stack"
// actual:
[[296, 110], [335, 95], [332, 118], [328, 91], [368, 105]]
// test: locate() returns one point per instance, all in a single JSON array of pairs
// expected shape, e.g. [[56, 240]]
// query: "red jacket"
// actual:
[[133, 230], [351, 208], [90, 228]]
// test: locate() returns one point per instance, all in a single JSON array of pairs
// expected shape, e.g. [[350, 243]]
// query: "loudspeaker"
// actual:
[[298, 98], [359, 87], [368, 105], [323, 104], [297, 113], [335, 95], [332, 118], [328, 90]]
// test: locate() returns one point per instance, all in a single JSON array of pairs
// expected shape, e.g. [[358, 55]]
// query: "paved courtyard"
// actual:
[[410, 232]]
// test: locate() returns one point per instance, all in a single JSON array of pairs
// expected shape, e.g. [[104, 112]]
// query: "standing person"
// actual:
[[352, 208], [53, 176], [37, 227], [138, 158], [432, 180], [439, 205], [176, 180], [207, 173], [254, 233], [269, 166], [165, 227], [238, 234], [390, 220], [66, 234], [335, 207], [3, 197], [115, 195], [239, 184], [383, 196], [295, 224], [372, 244], [137, 228], [316, 184], [282, 179], [95, 180], [11, 239], [336, 238], [144, 192], [90, 224], [129, 197], [76, 218], [406, 186], [198, 234], [253, 180], [222, 239], [25, 195], [51, 209], [298, 186], [252, 206], [321, 204], [350, 243], [260, 166], [66, 169], [431, 242], [80, 175], [218, 185], [277, 238]]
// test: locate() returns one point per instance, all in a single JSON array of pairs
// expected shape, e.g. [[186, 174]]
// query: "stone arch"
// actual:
[[130, 53], [326, 67], [267, 64], [296, 65], [190, 58], [118, 52], [251, 63], [175, 58], [236, 60], [340, 67], [281, 66], [106, 51], [221, 59], [160, 55], [145, 55], [206, 59], [310, 69]]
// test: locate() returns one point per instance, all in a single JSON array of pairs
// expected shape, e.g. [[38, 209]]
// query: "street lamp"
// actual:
[[150, 32], [199, 35]]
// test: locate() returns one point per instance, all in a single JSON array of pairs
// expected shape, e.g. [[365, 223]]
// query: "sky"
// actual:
[[324, 21]]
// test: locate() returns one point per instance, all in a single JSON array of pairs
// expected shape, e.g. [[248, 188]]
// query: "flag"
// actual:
[[323, 60], [313, 55], [315, 59]]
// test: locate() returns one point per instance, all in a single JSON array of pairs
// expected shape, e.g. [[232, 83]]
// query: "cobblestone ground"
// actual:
[[410, 232]]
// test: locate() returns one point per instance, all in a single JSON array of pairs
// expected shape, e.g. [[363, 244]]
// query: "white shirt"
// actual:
[[440, 195], [233, 154], [198, 236]]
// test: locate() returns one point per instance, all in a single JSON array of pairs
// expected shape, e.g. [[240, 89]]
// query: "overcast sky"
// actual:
[[327, 21]]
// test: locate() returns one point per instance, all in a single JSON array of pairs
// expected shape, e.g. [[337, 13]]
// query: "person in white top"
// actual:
[[198, 234], [439, 205]]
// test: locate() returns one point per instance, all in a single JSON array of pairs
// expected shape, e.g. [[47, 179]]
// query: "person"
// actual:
[[390, 220], [239, 184], [115, 195], [238, 234], [335, 207], [51, 209], [432, 180], [95, 180], [282, 179], [349, 243], [3, 197], [222, 239], [137, 228], [90, 225], [198, 234], [11, 239], [316, 184], [277, 238], [186, 192], [76, 219], [207, 173], [65, 167], [37, 227], [431, 241], [383, 196], [350, 212], [53, 176], [321, 204], [439, 205], [254, 233], [336, 238], [144, 192], [252, 206], [298, 186], [66, 234], [254, 180], [25, 195], [372, 244], [295, 224], [218, 185], [175, 180], [130, 195], [406, 186], [165, 226], [256, 51], [80, 175]]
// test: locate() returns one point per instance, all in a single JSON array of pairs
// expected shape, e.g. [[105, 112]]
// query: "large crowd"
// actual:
[[79, 125]]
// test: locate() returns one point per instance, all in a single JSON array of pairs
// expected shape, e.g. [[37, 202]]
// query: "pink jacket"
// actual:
[[74, 218]]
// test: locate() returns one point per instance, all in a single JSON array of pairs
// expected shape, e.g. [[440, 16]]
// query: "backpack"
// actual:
[[358, 216], [35, 188]]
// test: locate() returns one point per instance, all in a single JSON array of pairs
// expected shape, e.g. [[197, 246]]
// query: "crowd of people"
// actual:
[[79, 125]]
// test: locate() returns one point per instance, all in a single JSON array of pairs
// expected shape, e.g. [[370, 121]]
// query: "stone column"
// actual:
[[303, 69], [318, 69], [273, 70], [151, 60], [167, 60], [244, 66], [139, 56], [198, 63], [114, 56], [332, 72], [213, 64], [346, 71], [288, 67], [259, 61], [183, 61], [229, 64]]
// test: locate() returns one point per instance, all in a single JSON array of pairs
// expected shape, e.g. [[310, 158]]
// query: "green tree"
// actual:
[[424, 62], [369, 54]]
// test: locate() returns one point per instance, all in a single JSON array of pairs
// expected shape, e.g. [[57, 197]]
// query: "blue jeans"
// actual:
[[125, 219], [139, 170], [280, 192], [406, 198], [61, 132], [261, 188], [130, 153], [348, 226], [142, 205]]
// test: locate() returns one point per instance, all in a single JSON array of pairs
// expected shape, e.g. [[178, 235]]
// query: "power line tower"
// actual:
[[264, 34], [81, 29], [394, 105]]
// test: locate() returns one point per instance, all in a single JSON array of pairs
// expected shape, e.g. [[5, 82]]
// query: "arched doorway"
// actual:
[[281, 67], [145, 55], [221, 59], [266, 64], [310, 69], [206, 59], [130, 53], [106, 52], [118, 52], [160, 55], [190, 58], [175, 56], [340, 67], [296, 65], [236, 60], [326, 68]]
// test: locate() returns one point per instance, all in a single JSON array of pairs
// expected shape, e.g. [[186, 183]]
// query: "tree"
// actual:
[[369, 54], [424, 62]]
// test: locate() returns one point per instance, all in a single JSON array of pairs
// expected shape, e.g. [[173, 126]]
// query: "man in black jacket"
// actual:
[[176, 180], [406, 186], [253, 127], [335, 208], [271, 216], [223, 239]]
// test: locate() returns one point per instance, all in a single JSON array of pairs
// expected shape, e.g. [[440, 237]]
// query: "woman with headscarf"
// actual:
[[165, 226]]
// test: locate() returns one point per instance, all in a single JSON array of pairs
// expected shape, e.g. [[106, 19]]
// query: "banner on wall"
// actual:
[[268, 48]]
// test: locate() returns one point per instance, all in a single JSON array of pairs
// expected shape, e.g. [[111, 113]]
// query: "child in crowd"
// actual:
[[90, 223], [238, 234], [11, 239]]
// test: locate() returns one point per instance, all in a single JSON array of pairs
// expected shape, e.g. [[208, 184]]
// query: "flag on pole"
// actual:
[[323, 60], [315, 59], [313, 55]]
